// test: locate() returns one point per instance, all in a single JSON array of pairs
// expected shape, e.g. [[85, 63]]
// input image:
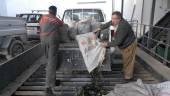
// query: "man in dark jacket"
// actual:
[[49, 35], [123, 37]]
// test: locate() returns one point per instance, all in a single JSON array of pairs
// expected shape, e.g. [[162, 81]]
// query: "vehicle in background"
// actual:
[[13, 36], [32, 25], [82, 20]]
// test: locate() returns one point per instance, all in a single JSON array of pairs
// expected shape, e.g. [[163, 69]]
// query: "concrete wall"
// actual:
[[13, 7], [3, 11]]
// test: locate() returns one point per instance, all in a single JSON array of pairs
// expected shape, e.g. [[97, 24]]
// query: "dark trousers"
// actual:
[[50, 46]]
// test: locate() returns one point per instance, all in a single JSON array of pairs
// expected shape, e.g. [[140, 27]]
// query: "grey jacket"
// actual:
[[124, 35]]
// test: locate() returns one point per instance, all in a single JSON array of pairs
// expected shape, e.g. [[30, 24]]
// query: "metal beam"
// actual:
[[122, 7], [143, 2]]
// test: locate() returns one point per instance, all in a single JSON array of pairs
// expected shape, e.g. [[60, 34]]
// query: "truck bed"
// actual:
[[73, 79], [31, 82], [72, 82]]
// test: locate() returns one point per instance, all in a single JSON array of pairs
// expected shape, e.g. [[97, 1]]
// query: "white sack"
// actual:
[[93, 53]]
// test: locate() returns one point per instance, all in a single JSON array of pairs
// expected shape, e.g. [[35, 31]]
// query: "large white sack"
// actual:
[[131, 89], [161, 89], [93, 53], [140, 89]]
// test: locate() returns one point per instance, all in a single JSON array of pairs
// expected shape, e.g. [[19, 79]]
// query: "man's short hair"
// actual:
[[117, 13], [53, 10]]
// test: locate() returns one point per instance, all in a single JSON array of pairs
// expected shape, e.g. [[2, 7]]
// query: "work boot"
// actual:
[[49, 92], [57, 82]]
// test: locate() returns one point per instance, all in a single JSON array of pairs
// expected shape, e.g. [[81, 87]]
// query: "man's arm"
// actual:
[[59, 22], [102, 27], [121, 34], [106, 25]]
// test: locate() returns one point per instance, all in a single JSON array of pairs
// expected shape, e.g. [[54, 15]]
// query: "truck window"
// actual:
[[33, 18], [30, 18], [81, 14], [25, 17]]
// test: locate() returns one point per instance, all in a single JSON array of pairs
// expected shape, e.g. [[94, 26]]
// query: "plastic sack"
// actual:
[[161, 89], [82, 27], [140, 89], [131, 89], [93, 53]]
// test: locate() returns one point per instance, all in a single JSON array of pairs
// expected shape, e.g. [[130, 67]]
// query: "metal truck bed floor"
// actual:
[[72, 81]]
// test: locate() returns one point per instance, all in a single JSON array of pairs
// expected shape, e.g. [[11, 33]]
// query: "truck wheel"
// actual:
[[16, 47]]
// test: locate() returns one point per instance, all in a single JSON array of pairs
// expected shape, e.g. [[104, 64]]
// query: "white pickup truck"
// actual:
[[78, 14], [32, 24], [13, 35], [82, 20]]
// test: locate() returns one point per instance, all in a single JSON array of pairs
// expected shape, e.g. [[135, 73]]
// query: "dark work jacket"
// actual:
[[124, 34]]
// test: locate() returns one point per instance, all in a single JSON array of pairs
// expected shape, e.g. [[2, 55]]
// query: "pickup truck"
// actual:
[[82, 20], [13, 36], [32, 24], [80, 14], [26, 77]]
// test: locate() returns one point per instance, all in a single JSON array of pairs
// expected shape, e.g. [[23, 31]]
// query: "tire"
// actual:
[[16, 47]]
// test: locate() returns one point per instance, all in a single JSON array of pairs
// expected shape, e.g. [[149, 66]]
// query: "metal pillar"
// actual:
[[152, 12], [122, 7], [149, 41]]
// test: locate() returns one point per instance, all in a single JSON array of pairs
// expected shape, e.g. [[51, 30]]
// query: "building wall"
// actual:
[[129, 6], [25, 6], [13, 7], [161, 9], [128, 9], [117, 5]]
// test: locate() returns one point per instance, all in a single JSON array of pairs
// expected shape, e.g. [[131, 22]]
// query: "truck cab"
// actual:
[[81, 14], [82, 20], [32, 24]]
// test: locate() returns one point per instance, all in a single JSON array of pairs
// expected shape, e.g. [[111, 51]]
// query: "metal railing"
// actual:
[[154, 40]]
